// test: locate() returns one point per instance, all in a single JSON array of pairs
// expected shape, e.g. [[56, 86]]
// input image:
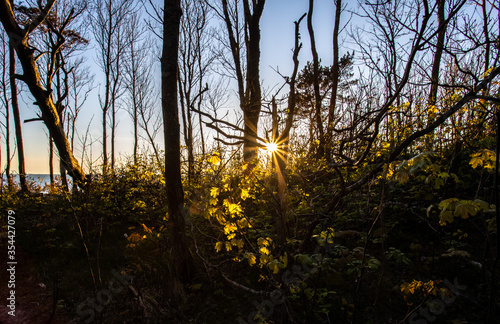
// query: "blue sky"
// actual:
[[277, 40]]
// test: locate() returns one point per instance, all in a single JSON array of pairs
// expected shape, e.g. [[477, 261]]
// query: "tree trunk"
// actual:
[[438, 54], [435, 67], [17, 122], [7, 119], [335, 78], [317, 95], [251, 112], [18, 38], [104, 142], [283, 141], [51, 161], [113, 131], [182, 259], [280, 218]]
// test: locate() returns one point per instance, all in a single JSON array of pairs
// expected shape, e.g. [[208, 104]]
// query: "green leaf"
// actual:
[[466, 208], [483, 205], [446, 216], [447, 202]]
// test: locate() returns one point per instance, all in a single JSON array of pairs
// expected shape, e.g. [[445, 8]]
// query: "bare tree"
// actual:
[[57, 40], [108, 22], [244, 44], [335, 78], [195, 58], [19, 38], [137, 72]]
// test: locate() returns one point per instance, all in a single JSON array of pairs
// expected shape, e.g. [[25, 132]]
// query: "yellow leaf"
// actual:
[[218, 246], [220, 218], [214, 159], [251, 259], [262, 242], [244, 194], [233, 209], [214, 192], [264, 250], [229, 228]]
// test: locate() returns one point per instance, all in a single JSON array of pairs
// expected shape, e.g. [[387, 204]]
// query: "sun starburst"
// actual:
[[271, 147]]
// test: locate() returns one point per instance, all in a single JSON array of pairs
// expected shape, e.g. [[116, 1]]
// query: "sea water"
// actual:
[[41, 180]]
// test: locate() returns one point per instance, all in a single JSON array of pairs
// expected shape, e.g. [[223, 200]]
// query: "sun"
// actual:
[[271, 147]]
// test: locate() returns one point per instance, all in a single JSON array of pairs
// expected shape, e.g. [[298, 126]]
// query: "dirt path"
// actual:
[[34, 302]]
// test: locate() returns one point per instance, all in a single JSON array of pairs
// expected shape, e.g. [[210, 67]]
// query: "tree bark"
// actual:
[[183, 262], [252, 110]]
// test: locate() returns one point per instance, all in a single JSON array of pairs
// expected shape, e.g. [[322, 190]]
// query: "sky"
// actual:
[[277, 41]]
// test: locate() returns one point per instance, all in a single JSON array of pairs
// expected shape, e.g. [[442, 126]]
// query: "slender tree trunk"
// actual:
[[183, 262], [7, 121], [199, 107], [113, 131], [335, 78], [135, 120], [283, 141], [436, 64], [438, 54], [51, 161], [317, 95], [280, 218], [17, 121], [7, 144], [189, 142], [104, 142]]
